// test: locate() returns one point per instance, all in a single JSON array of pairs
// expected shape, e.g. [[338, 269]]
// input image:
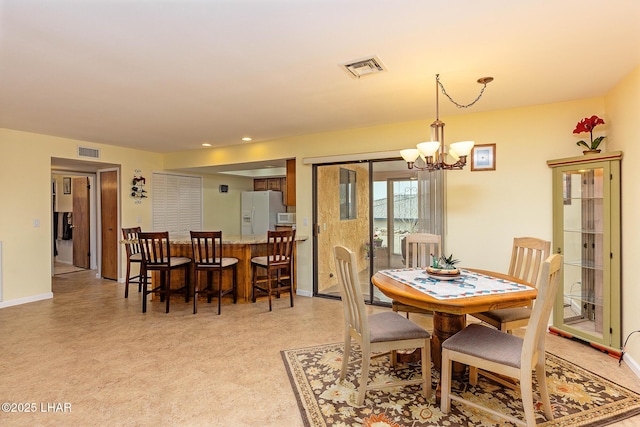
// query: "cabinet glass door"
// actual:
[[584, 307]]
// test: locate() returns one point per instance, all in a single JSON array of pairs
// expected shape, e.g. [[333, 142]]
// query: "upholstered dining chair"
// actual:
[[207, 258], [156, 256], [132, 248], [277, 265], [527, 256], [418, 250], [381, 332], [505, 354]]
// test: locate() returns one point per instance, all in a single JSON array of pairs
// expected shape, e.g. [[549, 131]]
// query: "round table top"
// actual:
[[405, 294]]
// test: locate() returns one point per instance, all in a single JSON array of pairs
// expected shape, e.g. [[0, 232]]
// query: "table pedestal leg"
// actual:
[[446, 325]]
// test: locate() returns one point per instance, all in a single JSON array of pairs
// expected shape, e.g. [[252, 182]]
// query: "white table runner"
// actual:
[[468, 284]]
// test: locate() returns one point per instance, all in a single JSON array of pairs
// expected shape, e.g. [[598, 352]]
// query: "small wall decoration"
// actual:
[[483, 157], [224, 188], [137, 190], [66, 185]]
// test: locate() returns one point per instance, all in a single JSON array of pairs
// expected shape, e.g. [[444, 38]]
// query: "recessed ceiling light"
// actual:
[[206, 144], [246, 138]]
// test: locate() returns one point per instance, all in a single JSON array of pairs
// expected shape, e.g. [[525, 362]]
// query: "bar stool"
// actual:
[[156, 256], [207, 257], [133, 257], [278, 261]]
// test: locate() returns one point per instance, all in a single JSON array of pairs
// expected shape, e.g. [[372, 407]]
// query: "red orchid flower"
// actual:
[[586, 125]]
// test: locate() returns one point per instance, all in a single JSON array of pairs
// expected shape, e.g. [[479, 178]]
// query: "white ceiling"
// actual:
[[169, 75]]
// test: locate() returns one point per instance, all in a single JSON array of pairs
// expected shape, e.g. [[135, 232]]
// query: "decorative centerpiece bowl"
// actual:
[[443, 271], [443, 267]]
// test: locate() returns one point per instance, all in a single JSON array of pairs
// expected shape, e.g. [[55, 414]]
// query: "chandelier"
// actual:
[[433, 153]]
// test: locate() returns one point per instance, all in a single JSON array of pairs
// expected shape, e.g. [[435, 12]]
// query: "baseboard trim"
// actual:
[[304, 293], [26, 300], [632, 364]]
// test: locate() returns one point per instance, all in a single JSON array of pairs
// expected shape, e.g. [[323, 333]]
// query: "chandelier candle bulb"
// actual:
[[410, 154], [428, 149], [462, 148]]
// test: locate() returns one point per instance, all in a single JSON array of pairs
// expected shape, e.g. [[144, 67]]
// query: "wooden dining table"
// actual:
[[449, 315]]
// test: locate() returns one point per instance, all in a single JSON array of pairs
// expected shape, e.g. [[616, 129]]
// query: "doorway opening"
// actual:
[[78, 218]]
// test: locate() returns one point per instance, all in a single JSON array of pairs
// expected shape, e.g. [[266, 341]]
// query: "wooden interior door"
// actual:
[[81, 236], [109, 221]]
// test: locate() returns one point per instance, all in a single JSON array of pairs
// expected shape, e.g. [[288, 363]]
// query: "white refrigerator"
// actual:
[[260, 210]]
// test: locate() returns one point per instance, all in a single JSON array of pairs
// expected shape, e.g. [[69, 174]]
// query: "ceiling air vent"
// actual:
[[91, 153], [364, 67]]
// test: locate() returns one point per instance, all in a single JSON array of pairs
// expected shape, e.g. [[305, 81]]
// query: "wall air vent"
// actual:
[[363, 67], [86, 152]]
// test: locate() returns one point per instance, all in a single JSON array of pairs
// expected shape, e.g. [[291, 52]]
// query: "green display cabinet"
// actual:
[[586, 231]]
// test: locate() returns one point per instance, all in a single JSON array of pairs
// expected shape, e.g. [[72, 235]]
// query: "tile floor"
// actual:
[[93, 350]]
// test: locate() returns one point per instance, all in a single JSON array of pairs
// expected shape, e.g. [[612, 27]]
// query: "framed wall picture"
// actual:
[[483, 157], [66, 185]]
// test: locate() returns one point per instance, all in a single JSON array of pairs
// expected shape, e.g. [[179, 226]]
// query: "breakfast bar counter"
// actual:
[[241, 247]]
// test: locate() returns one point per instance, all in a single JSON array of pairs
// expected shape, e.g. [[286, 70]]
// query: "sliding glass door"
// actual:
[[369, 207]]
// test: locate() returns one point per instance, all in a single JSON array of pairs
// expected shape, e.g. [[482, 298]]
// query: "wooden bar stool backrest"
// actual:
[[155, 248], [206, 247], [278, 264], [132, 248], [280, 247], [131, 235], [156, 256]]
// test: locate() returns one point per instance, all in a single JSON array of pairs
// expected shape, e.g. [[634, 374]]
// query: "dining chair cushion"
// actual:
[[136, 257], [505, 315], [225, 262], [390, 326], [487, 343]]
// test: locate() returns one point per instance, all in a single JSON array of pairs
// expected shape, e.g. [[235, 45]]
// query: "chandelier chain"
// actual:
[[484, 85]]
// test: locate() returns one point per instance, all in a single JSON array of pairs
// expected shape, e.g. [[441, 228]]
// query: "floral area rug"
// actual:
[[578, 397]]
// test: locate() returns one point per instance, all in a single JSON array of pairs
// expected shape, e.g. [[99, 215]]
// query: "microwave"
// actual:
[[286, 218]]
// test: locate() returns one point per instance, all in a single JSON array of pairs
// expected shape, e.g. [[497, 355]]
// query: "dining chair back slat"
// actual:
[[419, 247], [527, 256]]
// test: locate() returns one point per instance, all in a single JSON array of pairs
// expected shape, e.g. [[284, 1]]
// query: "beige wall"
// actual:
[[25, 168], [222, 210], [485, 209]]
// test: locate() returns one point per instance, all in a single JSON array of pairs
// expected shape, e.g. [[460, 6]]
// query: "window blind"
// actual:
[[176, 202]]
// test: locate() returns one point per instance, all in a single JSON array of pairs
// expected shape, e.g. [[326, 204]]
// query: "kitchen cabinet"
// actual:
[[264, 184], [586, 231], [286, 185], [290, 193]]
